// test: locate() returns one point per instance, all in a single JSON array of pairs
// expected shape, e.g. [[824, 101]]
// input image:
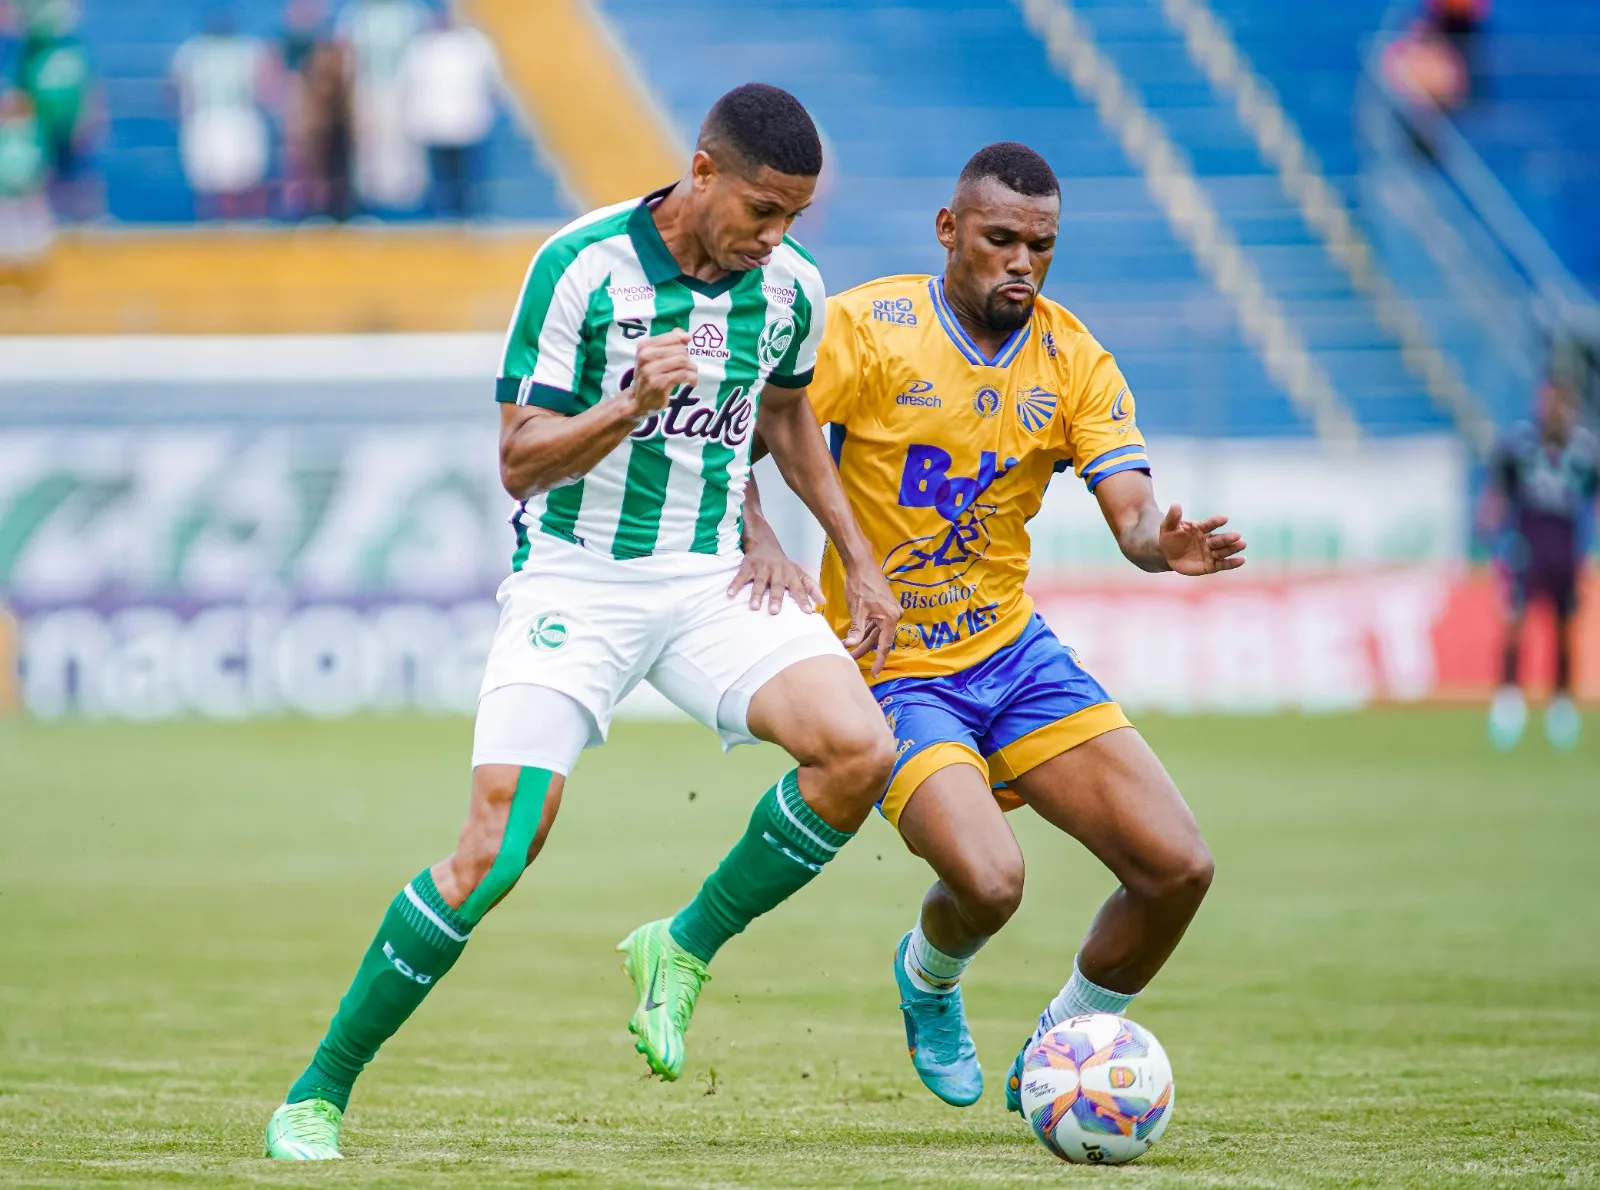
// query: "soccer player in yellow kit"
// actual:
[[951, 402]]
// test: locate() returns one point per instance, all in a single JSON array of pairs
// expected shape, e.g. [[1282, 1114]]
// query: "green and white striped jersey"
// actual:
[[595, 290]]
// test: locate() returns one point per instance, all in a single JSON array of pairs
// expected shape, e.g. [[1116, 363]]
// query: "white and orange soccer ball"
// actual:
[[1097, 1090]]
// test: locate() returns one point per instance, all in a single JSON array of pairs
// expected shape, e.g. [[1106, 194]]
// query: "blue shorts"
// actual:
[[1010, 712]]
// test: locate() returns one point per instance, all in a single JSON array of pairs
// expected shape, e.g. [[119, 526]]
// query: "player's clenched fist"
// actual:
[[662, 365]]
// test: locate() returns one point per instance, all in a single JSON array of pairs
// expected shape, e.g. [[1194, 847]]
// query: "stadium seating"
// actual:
[[1537, 121], [904, 96], [132, 43]]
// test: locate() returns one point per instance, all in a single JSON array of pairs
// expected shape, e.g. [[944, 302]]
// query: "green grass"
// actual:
[[1395, 981]]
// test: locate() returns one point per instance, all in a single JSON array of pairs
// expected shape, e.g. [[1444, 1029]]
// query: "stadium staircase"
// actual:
[[1536, 123]]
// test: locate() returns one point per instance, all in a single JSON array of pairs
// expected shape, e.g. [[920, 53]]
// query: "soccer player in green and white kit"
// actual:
[[650, 340]]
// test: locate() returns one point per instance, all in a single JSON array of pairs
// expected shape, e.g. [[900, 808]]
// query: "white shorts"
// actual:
[[592, 628]]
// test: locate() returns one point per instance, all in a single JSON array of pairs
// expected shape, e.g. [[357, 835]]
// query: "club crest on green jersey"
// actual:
[[774, 341], [549, 632]]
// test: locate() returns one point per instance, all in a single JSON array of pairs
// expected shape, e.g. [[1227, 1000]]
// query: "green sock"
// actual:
[[420, 939], [782, 851]]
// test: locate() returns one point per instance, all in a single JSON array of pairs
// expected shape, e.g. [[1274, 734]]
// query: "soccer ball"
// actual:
[[1097, 1090]]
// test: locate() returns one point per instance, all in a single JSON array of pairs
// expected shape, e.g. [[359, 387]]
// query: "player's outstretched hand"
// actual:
[[874, 615], [1196, 547], [770, 574], [661, 365]]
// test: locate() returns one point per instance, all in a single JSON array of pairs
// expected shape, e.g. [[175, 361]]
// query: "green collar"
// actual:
[[658, 263]]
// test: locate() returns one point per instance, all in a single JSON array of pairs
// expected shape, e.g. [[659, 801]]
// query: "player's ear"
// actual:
[[944, 226], [702, 168]]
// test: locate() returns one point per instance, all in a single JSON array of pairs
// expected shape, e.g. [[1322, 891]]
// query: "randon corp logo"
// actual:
[[707, 342]]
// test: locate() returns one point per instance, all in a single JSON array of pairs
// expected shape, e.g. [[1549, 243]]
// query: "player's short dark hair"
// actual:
[[1014, 166], [764, 125]]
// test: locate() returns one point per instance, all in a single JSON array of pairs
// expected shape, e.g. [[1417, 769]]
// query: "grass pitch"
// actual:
[[1396, 980]]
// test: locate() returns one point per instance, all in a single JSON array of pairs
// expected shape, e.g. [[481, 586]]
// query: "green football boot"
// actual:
[[667, 979], [305, 1131]]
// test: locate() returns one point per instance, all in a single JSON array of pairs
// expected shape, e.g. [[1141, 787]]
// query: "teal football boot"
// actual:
[[1014, 1078], [937, 1035]]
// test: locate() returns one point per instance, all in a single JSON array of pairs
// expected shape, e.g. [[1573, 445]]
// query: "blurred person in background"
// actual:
[[450, 75], [26, 223], [1425, 68], [1543, 480], [224, 82], [391, 171], [324, 133], [53, 68], [1459, 22]]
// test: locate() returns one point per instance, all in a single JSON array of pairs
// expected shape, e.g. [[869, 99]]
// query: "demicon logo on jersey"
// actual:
[[986, 402], [920, 393], [896, 310], [707, 342]]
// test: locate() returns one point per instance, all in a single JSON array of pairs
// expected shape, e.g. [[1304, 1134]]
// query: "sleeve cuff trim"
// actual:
[[522, 390], [798, 380]]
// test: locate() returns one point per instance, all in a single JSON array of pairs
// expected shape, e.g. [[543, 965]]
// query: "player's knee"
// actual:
[[861, 760], [989, 898], [1187, 876]]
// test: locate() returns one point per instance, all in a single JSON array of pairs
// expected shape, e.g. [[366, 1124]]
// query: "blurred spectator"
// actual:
[[53, 68], [324, 131], [303, 22], [26, 223], [391, 171], [1458, 22], [450, 76], [1424, 67], [223, 79]]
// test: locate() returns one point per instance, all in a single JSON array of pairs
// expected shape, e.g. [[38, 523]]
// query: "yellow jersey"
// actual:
[[945, 455]]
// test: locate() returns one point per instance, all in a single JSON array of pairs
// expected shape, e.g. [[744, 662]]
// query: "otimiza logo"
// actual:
[[920, 393], [707, 342], [548, 632], [404, 967], [896, 310]]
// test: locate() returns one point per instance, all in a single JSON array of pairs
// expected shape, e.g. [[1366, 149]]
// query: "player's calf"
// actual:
[[513, 808]]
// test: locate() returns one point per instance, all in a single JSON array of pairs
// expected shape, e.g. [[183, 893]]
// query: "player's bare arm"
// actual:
[[788, 427], [541, 449], [1157, 541], [767, 571]]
